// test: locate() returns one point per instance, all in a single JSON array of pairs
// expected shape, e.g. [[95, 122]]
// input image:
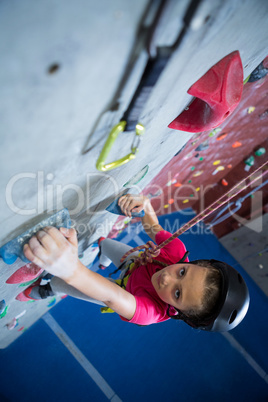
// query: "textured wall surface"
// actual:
[[61, 65]]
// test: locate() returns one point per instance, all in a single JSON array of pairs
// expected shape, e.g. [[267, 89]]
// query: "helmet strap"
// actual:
[[184, 257]]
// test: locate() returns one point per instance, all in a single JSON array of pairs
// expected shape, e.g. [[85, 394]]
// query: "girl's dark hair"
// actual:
[[211, 296]]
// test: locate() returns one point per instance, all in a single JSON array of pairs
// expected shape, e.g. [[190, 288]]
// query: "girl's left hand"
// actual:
[[130, 203]]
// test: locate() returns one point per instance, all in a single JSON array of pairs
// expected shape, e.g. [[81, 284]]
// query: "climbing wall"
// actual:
[[213, 161], [62, 90], [17, 311], [209, 165], [18, 315]]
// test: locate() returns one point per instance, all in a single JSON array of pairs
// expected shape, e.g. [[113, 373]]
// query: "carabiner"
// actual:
[[116, 130]]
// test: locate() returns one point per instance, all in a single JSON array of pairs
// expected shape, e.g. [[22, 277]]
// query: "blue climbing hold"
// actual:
[[258, 73], [2, 306], [14, 248], [115, 209], [52, 302]]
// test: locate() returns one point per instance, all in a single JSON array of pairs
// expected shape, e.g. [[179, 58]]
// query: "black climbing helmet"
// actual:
[[233, 304]]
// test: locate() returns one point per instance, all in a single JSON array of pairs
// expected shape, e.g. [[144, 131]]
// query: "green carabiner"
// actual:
[[116, 130]]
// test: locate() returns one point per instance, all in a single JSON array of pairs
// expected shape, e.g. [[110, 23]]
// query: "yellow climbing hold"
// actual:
[[218, 169], [166, 206], [106, 310], [196, 174], [251, 109], [217, 162], [197, 189], [185, 201]]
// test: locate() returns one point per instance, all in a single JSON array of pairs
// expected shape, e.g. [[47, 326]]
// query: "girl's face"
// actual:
[[181, 285]]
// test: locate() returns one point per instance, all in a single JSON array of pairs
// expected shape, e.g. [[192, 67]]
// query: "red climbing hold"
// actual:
[[25, 295], [25, 274], [21, 297], [217, 93]]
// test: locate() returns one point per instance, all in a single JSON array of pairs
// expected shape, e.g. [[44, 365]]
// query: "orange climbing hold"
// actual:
[[217, 93], [221, 137], [237, 144]]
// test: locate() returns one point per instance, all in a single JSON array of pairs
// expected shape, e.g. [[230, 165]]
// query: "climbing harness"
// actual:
[[233, 303], [234, 296], [128, 266], [157, 59], [151, 250]]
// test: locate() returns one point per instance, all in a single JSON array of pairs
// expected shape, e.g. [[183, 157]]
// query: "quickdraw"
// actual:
[[116, 130], [157, 59]]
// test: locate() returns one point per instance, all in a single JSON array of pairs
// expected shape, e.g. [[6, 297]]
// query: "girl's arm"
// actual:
[[51, 250], [136, 203]]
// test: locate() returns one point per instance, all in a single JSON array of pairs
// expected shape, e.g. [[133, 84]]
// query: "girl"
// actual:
[[206, 294]]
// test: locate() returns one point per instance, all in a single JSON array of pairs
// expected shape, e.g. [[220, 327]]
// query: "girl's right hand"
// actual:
[[130, 203], [54, 250]]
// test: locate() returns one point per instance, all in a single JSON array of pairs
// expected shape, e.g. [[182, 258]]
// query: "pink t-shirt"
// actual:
[[150, 308]]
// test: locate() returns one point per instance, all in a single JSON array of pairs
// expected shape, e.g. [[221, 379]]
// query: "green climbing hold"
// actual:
[[27, 283], [250, 161], [201, 159], [261, 151], [2, 315], [137, 177], [189, 181], [214, 132], [192, 168], [246, 80]]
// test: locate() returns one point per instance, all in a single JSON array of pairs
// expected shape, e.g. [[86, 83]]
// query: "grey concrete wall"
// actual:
[[47, 119]]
